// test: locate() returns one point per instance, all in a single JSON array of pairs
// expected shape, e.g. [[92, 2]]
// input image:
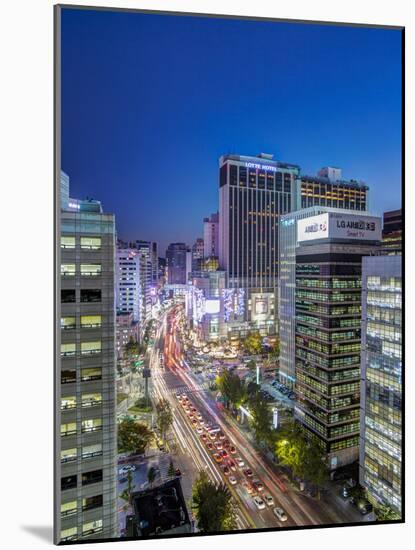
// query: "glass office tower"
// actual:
[[381, 391], [85, 437], [327, 328]]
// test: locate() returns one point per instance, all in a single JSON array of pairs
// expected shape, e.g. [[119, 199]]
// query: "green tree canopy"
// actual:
[[164, 416], [133, 437], [261, 420], [253, 343], [213, 507], [384, 513], [232, 388]]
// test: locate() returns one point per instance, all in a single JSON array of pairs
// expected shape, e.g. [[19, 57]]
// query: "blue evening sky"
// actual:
[[150, 102]]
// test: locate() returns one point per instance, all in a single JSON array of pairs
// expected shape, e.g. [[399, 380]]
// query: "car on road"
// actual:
[[221, 435], [239, 462], [209, 446], [199, 429], [281, 515], [194, 422], [232, 450], [248, 472], [212, 436], [232, 465], [218, 445], [224, 453], [177, 472], [201, 421], [199, 416], [225, 469], [269, 500], [217, 457], [127, 468], [259, 503], [226, 443], [233, 480], [247, 486], [258, 485], [203, 437]]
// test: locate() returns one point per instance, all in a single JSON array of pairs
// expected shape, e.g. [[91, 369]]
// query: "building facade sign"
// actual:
[[331, 225]]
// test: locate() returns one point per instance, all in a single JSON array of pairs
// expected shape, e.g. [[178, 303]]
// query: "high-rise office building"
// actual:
[[176, 263], [128, 288], [253, 193], [328, 189], [392, 232], [381, 390], [85, 389], [211, 235], [327, 331], [286, 286], [197, 254], [162, 277]]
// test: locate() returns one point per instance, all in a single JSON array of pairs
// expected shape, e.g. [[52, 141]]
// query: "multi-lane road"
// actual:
[[175, 378]]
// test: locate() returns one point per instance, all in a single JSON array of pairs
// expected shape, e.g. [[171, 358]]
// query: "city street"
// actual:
[[175, 378]]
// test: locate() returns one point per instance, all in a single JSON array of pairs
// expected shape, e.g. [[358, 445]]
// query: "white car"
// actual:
[[269, 500], [239, 462], [281, 515], [199, 430], [232, 480], [127, 468], [259, 503]]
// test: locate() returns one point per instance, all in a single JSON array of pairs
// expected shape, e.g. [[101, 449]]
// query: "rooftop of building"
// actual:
[[160, 510], [351, 184], [262, 158]]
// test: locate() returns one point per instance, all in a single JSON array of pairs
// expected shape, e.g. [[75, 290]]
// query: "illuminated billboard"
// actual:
[[333, 225], [212, 306]]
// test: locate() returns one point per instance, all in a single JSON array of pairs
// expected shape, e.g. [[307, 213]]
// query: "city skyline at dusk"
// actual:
[[145, 120]]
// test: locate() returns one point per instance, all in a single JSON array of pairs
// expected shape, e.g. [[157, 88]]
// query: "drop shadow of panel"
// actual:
[[42, 532]]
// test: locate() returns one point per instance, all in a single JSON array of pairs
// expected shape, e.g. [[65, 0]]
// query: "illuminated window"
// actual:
[[68, 350], [67, 242], [91, 399], [90, 321], [90, 270], [68, 508], [69, 534], [68, 403], [92, 425], [68, 429], [91, 374], [91, 451], [92, 527], [68, 323], [91, 243], [90, 348], [68, 455], [68, 270]]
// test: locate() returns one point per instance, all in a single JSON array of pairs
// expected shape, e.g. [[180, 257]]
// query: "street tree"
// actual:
[[261, 420], [164, 416], [127, 493], [213, 506], [171, 472], [253, 343], [133, 437], [315, 467], [232, 388], [385, 513]]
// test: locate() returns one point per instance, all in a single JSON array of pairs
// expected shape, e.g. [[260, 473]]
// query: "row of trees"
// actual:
[[303, 457]]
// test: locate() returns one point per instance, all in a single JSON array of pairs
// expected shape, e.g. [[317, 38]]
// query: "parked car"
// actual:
[[281, 515]]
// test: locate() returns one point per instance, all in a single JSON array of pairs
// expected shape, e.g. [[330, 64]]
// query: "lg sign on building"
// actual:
[[331, 225]]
